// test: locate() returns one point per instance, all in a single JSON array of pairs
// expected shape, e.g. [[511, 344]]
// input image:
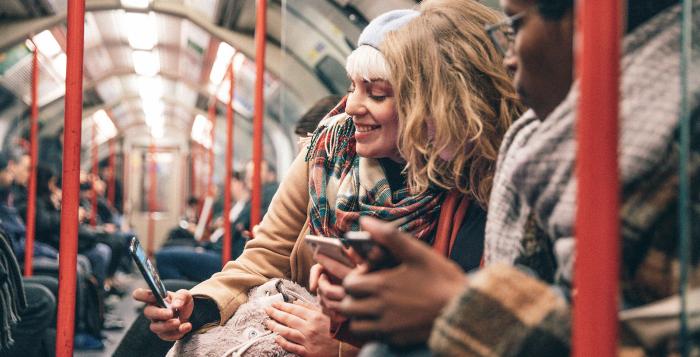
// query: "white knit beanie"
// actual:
[[374, 33]]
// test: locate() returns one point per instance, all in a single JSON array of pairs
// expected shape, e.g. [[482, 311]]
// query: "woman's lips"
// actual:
[[364, 132]]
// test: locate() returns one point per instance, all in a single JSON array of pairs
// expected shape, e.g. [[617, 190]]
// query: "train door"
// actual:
[[154, 196]]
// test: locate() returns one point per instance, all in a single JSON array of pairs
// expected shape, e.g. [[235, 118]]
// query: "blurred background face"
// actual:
[[372, 106], [238, 190], [22, 170], [6, 176], [541, 57], [264, 173]]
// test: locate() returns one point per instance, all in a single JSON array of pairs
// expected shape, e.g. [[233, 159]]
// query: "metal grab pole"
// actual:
[[112, 180], [34, 158], [226, 249], [259, 109], [597, 218], [65, 321], [95, 163]]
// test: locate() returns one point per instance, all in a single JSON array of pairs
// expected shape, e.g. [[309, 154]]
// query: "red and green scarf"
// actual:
[[344, 186]]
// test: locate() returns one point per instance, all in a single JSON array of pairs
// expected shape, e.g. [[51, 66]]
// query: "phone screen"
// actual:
[[148, 271]]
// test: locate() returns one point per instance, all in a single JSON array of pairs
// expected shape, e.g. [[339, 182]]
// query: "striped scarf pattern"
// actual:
[[344, 186]]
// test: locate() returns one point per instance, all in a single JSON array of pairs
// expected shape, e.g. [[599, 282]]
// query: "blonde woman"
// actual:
[[455, 102], [351, 168]]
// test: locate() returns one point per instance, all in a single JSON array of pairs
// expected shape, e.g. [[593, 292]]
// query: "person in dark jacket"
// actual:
[[201, 262], [48, 224]]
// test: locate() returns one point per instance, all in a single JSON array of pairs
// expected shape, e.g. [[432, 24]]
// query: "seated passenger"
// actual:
[[530, 240], [11, 221], [48, 224], [28, 310], [307, 124], [351, 168], [199, 262]]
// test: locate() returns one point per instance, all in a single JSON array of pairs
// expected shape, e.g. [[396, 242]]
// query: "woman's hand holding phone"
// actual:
[[169, 324]]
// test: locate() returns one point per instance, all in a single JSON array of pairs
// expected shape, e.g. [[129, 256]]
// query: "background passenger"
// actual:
[[531, 211], [307, 124]]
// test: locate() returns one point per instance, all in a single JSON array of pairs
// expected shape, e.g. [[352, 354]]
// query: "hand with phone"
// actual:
[[334, 262], [169, 312], [386, 302], [169, 324]]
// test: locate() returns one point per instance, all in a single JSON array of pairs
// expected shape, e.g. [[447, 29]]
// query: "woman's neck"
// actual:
[[394, 173]]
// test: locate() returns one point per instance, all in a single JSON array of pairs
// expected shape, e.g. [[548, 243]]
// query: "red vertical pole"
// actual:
[[597, 217], [152, 190], [34, 156], [193, 170], [259, 109], [226, 253], [212, 119], [126, 164], [65, 325], [112, 179], [95, 164]]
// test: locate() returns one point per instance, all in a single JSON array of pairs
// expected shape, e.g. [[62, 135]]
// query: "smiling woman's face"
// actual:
[[372, 106]]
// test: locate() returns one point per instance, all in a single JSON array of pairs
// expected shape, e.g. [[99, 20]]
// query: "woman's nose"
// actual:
[[354, 105]]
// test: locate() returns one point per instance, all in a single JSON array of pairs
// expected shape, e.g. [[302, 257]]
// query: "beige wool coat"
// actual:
[[277, 251]]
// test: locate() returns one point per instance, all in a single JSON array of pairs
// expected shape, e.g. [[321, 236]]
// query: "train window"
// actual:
[[332, 73]]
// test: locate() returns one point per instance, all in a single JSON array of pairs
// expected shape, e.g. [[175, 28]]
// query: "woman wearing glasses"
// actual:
[[518, 304]]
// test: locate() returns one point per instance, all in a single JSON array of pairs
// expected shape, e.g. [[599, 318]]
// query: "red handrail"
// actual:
[[597, 217], [193, 169], [126, 166], [112, 180], [226, 249], [34, 158], [65, 321], [94, 172], [259, 109], [212, 119]]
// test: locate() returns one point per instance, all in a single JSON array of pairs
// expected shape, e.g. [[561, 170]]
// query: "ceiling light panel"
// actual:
[[224, 54], [136, 4], [47, 44], [105, 127], [146, 63], [140, 30]]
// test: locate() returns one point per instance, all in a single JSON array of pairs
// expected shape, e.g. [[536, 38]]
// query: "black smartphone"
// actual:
[[377, 256], [149, 272]]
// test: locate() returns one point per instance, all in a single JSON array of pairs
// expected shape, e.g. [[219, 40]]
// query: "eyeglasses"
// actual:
[[503, 33]]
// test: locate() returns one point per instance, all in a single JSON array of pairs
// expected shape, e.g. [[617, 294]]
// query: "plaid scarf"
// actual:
[[344, 186]]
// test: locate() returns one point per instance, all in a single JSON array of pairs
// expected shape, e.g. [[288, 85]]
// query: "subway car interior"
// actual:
[[185, 177]]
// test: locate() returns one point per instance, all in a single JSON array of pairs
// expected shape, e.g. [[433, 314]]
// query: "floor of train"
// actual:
[[126, 309]]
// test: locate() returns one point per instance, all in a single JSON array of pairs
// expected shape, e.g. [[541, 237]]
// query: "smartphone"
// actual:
[[149, 272], [329, 246], [376, 256]]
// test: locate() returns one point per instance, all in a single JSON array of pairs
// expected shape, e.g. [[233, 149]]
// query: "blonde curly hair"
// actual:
[[455, 99]]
